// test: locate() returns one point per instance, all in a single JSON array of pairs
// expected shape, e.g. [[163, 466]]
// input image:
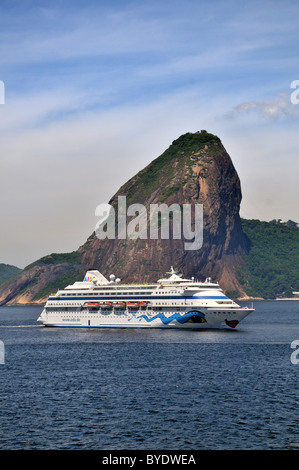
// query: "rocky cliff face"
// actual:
[[194, 170]]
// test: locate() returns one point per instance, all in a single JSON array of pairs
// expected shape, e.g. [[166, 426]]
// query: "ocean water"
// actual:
[[89, 389]]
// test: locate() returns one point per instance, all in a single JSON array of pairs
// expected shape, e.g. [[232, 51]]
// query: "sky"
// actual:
[[93, 91]]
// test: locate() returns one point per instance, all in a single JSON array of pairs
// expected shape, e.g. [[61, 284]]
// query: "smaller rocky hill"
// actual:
[[7, 271]]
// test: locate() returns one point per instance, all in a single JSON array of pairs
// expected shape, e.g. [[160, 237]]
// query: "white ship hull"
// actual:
[[171, 303], [166, 319]]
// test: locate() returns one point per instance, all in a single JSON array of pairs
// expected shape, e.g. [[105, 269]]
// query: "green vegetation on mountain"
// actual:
[[54, 258], [74, 271], [7, 271], [72, 275], [272, 265], [166, 167]]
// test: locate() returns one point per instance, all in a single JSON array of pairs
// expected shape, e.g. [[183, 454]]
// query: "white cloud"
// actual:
[[281, 106]]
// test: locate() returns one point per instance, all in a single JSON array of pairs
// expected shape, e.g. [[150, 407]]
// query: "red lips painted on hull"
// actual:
[[232, 323]]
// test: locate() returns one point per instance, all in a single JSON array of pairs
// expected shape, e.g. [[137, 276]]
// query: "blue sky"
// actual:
[[94, 90]]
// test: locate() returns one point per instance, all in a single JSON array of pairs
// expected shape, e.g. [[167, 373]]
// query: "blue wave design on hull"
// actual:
[[176, 316]]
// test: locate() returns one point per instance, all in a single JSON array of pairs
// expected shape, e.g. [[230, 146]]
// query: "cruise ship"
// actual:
[[172, 302]]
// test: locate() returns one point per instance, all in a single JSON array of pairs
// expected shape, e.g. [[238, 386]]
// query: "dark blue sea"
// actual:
[[91, 389]]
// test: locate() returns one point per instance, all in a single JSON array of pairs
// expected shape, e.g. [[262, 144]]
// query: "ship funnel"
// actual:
[[96, 277]]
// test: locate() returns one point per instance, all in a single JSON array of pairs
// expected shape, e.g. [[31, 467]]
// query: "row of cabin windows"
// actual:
[[72, 294], [126, 298], [72, 310]]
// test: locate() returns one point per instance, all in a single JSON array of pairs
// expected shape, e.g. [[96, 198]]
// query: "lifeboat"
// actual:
[[91, 304], [133, 304]]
